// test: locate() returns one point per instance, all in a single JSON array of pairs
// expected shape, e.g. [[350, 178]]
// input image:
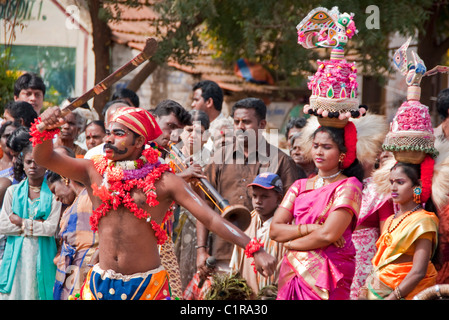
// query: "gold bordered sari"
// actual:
[[324, 273], [387, 274]]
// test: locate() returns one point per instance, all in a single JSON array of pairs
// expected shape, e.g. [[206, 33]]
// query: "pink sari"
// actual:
[[325, 273]]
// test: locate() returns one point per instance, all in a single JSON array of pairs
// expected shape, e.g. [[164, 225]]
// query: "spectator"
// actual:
[[30, 88], [297, 154], [69, 133], [20, 111], [293, 126], [407, 270], [128, 95], [266, 193], [77, 241], [29, 217], [232, 168], [95, 132], [6, 163], [315, 214], [208, 97], [108, 111], [171, 118], [442, 132], [443, 111], [186, 227]]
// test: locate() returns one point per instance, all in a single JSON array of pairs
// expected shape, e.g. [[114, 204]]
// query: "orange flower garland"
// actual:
[[122, 181]]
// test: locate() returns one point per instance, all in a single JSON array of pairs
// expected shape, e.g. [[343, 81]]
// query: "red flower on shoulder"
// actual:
[[101, 192]]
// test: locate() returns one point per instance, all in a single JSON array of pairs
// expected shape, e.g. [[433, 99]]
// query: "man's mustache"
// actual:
[[116, 150]]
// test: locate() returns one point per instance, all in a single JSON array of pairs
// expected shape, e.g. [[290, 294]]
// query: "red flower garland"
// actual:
[[350, 143], [251, 248], [426, 177], [118, 193], [38, 137]]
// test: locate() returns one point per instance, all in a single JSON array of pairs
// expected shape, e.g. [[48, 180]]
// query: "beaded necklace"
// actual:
[[388, 238], [120, 177]]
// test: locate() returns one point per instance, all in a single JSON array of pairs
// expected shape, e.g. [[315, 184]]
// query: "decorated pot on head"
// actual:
[[411, 136], [334, 85]]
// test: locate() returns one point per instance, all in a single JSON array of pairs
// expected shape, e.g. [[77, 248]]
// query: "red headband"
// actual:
[[138, 120], [350, 144]]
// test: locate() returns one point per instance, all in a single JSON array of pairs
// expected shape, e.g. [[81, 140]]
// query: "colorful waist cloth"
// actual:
[[109, 285]]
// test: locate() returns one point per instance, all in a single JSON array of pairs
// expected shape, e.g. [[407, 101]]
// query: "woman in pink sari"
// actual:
[[315, 222]]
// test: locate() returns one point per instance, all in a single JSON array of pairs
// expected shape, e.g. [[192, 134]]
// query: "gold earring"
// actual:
[[417, 194], [66, 181]]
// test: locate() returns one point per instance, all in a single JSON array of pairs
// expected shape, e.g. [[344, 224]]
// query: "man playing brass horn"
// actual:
[[233, 167]]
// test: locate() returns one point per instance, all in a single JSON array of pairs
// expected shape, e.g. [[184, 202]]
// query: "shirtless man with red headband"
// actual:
[[132, 193]]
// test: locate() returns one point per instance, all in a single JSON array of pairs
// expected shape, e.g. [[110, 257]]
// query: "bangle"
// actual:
[[31, 226], [397, 293], [22, 228], [252, 247], [38, 137], [197, 247], [299, 230]]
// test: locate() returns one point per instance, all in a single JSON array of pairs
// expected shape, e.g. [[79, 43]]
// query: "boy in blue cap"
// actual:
[[266, 193]]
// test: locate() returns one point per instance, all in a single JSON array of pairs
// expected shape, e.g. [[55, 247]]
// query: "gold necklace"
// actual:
[[388, 238], [35, 189]]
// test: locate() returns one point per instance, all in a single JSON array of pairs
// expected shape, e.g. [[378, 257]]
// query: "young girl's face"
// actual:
[[401, 186], [32, 170]]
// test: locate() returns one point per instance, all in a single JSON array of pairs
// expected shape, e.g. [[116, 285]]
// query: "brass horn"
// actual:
[[237, 214]]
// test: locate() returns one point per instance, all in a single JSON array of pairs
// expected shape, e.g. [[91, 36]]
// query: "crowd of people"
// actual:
[[118, 208]]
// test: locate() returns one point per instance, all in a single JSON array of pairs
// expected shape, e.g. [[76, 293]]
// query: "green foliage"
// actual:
[[10, 21], [228, 287], [403, 17], [265, 31], [180, 21], [7, 78], [176, 20], [106, 14], [58, 63], [52, 98]]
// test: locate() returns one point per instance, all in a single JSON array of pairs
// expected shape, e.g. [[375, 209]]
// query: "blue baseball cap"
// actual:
[[268, 180]]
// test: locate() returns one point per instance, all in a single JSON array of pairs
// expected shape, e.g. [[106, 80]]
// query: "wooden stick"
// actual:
[[147, 52]]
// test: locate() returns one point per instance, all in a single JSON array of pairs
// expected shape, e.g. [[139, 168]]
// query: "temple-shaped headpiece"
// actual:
[[411, 135], [334, 85]]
